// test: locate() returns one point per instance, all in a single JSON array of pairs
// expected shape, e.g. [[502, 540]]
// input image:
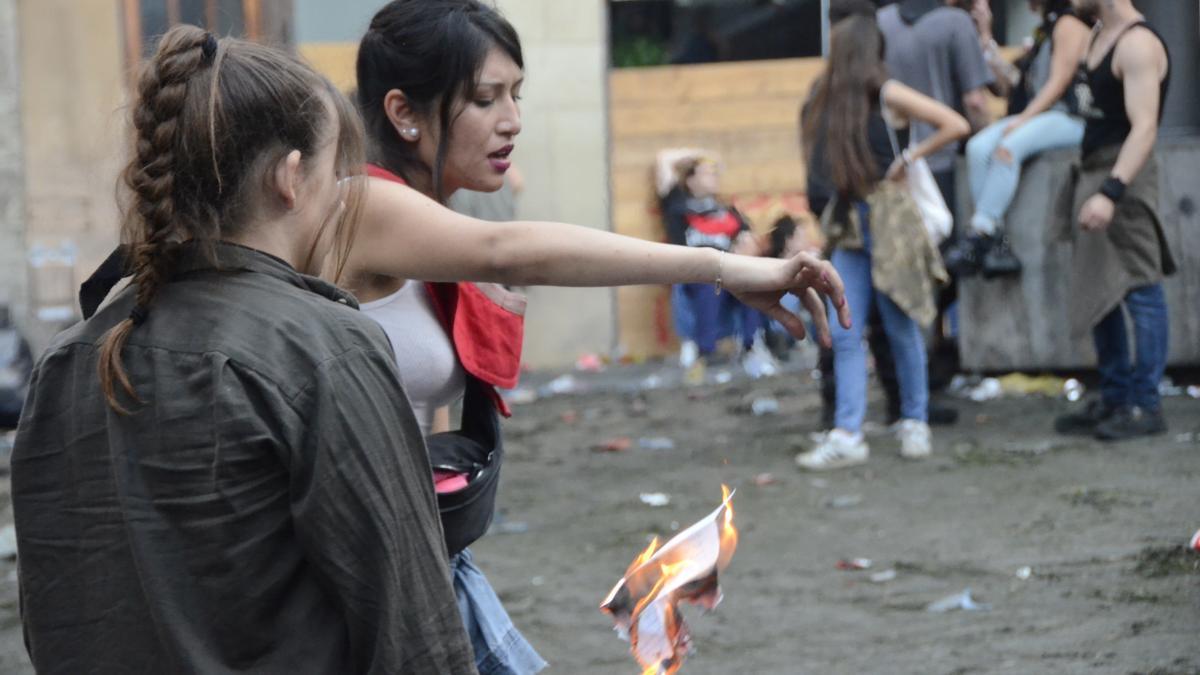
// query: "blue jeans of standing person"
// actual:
[[993, 180], [499, 647], [1124, 382], [849, 354], [707, 309]]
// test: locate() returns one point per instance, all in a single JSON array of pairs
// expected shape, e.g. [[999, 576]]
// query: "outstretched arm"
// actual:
[[407, 235]]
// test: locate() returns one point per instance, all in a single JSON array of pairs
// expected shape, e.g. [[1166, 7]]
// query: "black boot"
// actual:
[[999, 259], [1130, 423], [1085, 422], [964, 257]]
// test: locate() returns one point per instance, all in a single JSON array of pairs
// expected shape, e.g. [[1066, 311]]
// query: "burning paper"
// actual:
[[644, 603]]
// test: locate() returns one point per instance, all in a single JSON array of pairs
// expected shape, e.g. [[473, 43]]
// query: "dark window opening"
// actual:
[[661, 32]]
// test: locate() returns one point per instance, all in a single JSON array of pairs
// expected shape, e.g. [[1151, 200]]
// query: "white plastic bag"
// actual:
[[938, 219], [924, 189]]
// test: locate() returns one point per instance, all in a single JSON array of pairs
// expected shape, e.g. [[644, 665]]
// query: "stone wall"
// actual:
[[1021, 324]]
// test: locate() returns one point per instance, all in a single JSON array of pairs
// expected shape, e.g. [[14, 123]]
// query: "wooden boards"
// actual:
[[746, 112]]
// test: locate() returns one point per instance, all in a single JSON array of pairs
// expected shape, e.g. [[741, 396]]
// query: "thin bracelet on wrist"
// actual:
[[720, 271]]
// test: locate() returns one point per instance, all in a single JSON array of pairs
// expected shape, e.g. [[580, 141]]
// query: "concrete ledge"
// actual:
[[1020, 324]]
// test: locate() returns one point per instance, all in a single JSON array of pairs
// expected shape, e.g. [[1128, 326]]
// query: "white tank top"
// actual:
[[425, 357]]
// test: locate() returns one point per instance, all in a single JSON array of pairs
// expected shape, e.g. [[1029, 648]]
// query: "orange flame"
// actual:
[[643, 556], [668, 572], [729, 533]]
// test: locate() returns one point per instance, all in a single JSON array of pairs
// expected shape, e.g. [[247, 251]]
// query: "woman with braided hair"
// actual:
[[218, 471]]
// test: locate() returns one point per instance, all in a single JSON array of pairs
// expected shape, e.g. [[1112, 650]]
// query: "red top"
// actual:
[[485, 323], [724, 223]]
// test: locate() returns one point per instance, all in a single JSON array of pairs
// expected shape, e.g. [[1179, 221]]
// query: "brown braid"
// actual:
[[150, 229], [211, 123]]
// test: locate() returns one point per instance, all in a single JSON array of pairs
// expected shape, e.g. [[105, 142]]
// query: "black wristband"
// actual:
[[1113, 188]]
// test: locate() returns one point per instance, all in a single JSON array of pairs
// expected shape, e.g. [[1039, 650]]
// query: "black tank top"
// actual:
[[1102, 98], [877, 140]]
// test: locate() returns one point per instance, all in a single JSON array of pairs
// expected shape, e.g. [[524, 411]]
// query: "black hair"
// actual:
[[432, 51], [781, 231], [840, 9]]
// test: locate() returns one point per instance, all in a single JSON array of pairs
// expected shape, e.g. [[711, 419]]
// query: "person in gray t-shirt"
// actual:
[[935, 50]]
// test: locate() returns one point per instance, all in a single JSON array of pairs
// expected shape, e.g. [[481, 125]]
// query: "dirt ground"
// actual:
[[1100, 527]]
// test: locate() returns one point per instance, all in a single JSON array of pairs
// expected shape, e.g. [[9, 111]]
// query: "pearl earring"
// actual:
[[412, 133]]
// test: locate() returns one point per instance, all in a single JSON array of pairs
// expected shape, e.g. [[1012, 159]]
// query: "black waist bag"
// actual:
[[477, 451]]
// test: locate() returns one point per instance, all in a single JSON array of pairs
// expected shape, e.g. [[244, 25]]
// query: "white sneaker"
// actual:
[[837, 450], [759, 361], [688, 353], [915, 439]]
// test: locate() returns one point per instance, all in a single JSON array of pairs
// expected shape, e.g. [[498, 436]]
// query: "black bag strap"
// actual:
[[96, 288]]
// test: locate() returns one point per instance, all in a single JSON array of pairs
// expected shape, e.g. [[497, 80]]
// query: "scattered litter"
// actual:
[[723, 377], [618, 444], [655, 499], [656, 443], [674, 525], [960, 384], [1020, 384], [651, 382], [819, 483], [520, 396], [1194, 544], [638, 406], [981, 390], [1024, 573], [537, 581], [8, 542], [987, 390], [764, 406], [569, 417], [962, 601], [589, 363], [843, 501], [854, 564], [563, 384], [765, 479], [509, 527], [1167, 387], [1193, 391], [884, 576], [1188, 437]]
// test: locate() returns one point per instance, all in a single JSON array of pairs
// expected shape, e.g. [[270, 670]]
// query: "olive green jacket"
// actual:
[[905, 265]]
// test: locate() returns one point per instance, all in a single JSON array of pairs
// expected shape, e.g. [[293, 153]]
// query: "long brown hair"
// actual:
[[840, 107], [212, 118]]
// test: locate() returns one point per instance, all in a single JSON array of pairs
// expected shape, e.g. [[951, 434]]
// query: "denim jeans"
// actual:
[[1126, 383], [993, 181], [850, 357], [709, 312], [499, 647]]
